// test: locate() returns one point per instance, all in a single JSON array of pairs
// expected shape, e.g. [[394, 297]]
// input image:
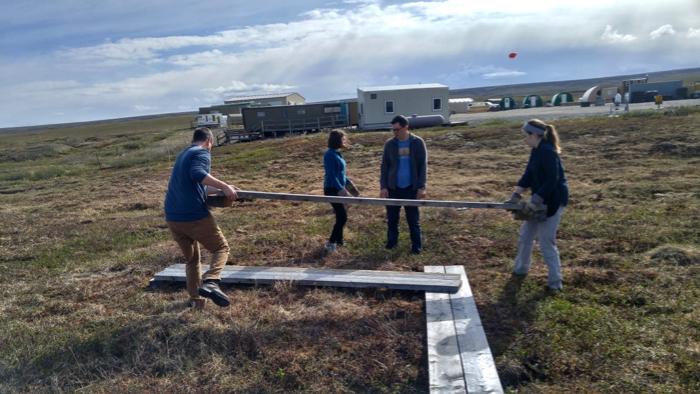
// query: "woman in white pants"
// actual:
[[544, 176]]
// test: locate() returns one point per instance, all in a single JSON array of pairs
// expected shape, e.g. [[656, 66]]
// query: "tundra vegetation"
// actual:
[[83, 233]]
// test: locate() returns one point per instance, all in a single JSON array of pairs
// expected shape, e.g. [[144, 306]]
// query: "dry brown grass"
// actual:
[[80, 244]]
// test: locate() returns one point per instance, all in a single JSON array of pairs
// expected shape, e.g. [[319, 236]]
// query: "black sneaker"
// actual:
[[212, 291], [552, 292], [390, 245], [416, 250]]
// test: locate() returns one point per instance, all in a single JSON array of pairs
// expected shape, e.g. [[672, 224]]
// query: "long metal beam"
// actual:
[[247, 194]]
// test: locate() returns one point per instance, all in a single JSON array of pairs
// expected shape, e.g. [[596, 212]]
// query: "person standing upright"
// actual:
[[334, 182], [403, 176], [544, 176], [190, 221]]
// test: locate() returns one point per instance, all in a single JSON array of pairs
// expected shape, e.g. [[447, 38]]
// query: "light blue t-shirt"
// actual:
[[403, 175]]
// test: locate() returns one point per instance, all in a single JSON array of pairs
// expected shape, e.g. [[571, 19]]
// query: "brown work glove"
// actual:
[[219, 201], [351, 188], [532, 211], [515, 198]]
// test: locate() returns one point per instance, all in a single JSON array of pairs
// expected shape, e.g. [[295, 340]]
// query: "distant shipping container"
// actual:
[[279, 120]]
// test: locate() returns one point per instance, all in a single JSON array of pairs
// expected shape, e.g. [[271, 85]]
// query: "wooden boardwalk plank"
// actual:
[[417, 281], [477, 361], [444, 363], [457, 344]]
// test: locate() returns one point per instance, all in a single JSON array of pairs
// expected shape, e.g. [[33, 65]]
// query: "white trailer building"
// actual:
[[378, 105]]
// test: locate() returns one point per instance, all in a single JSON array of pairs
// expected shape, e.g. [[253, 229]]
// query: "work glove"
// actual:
[[514, 198], [351, 188], [219, 201], [534, 211]]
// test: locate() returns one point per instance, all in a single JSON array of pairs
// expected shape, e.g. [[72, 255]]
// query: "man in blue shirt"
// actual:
[[190, 222], [403, 176]]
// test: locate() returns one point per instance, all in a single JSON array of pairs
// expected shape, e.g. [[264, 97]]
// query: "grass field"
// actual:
[[83, 233]]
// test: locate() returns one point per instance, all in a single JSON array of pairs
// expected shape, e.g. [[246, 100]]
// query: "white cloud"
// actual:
[[328, 53], [503, 74], [240, 87], [665, 30], [613, 37], [144, 108]]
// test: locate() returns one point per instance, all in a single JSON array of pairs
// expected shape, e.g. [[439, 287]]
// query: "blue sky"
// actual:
[[71, 60]]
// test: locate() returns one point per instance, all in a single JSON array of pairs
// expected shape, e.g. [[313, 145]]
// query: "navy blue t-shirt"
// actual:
[[186, 198]]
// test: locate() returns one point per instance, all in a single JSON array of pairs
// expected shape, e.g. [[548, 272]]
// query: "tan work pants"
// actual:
[[188, 236]]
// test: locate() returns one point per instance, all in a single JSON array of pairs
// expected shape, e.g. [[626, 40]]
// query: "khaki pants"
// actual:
[[188, 236]]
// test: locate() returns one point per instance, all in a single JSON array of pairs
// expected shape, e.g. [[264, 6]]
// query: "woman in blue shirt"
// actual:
[[334, 183], [544, 176]]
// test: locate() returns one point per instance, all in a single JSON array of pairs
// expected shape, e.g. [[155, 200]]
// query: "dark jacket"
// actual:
[[390, 163], [544, 175]]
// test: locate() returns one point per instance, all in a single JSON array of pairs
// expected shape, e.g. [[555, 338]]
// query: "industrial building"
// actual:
[[562, 98], [532, 101], [278, 120], [460, 105], [378, 105], [670, 90], [292, 98], [233, 105], [598, 95], [503, 103]]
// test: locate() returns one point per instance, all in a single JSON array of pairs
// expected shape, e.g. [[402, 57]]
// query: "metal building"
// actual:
[[598, 95], [670, 90], [532, 101], [279, 120], [460, 105], [262, 100], [503, 103], [233, 105], [378, 105], [562, 98]]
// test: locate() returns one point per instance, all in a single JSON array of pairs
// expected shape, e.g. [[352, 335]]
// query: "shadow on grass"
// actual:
[[507, 319], [197, 349]]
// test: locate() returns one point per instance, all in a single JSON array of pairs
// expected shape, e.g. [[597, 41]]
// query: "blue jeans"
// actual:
[[412, 217], [546, 233]]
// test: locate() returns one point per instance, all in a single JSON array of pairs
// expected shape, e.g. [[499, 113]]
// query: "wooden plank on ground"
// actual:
[[417, 281], [445, 372], [477, 361], [459, 357]]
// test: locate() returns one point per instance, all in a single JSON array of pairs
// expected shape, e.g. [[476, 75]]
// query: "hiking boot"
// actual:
[[552, 292], [518, 276], [330, 247], [212, 291]]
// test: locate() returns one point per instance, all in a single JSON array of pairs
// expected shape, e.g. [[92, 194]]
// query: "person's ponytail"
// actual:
[[551, 136]]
